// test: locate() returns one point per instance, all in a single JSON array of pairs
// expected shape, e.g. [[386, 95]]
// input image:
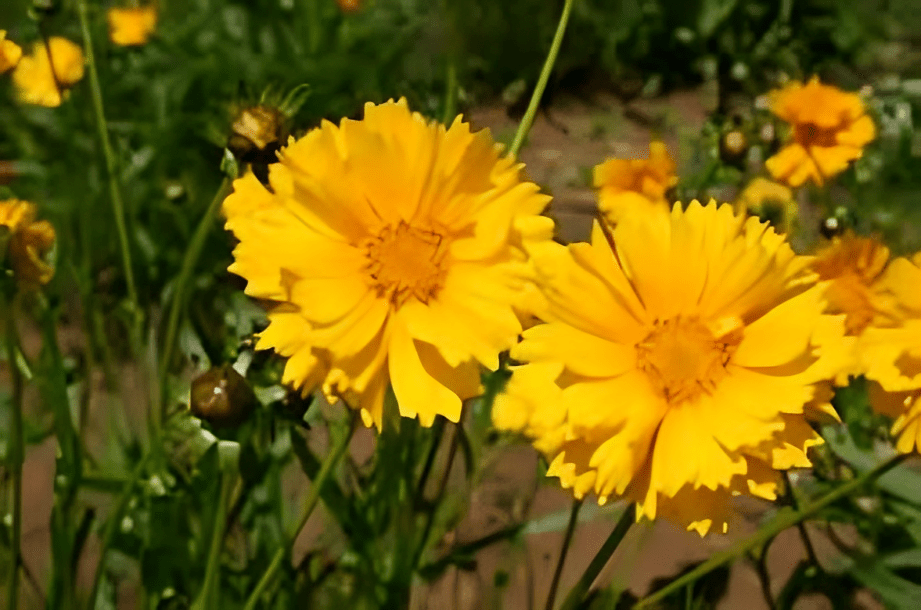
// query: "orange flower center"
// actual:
[[810, 134], [405, 261], [683, 358]]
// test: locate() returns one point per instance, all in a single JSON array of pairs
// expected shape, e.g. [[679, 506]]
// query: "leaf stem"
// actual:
[[525, 126], [332, 459], [16, 451], [781, 522], [578, 592], [564, 550], [118, 206]]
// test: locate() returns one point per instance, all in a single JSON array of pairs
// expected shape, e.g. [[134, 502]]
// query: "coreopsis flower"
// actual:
[[853, 267], [392, 249], [829, 129], [680, 359], [43, 76], [132, 26], [767, 199], [27, 243], [635, 185], [9, 53], [890, 349]]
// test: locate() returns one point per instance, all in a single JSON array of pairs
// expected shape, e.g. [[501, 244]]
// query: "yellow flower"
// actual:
[[679, 362], [765, 198], [132, 26], [9, 53], [635, 185], [41, 80], [853, 265], [29, 242], [829, 130], [393, 249], [890, 349]]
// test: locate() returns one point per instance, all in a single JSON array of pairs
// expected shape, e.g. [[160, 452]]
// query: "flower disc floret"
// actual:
[[393, 251], [680, 358]]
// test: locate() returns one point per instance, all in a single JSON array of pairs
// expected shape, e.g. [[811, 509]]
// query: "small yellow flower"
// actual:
[[42, 78], [29, 242], [635, 185], [9, 53], [890, 349], [829, 130], [132, 26], [765, 198], [681, 358], [393, 249], [853, 265]]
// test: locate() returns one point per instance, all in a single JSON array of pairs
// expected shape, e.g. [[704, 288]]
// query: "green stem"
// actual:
[[118, 206], [564, 550], [781, 522], [109, 531], [16, 452], [208, 597], [450, 110], [525, 126], [578, 592], [332, 459], [178, 301]]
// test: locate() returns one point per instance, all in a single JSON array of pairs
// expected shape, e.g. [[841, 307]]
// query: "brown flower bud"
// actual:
[[222, 397]]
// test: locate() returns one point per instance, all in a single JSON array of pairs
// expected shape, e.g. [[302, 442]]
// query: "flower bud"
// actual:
[[222, 397]]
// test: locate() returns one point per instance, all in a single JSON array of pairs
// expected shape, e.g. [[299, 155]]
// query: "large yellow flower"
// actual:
[[132, 26], [28, 242], [678, 363], [42, 78], [829, 130], [890, 349], [393, 249], [9, 53], [635, 185]]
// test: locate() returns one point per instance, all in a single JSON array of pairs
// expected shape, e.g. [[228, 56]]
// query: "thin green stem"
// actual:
[[578, 592], [109, 530], [118, 206], [564, 550], [16, 452], [208, 596], [332, 459], [178, 301], [450, 109], [781, 522], [525, 126]]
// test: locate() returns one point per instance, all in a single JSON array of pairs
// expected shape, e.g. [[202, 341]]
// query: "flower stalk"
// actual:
[[16, 452], [178, 302], [118, 206], [332, 459], [579, 591], [781, 522], [564, 550], [525, 126]]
